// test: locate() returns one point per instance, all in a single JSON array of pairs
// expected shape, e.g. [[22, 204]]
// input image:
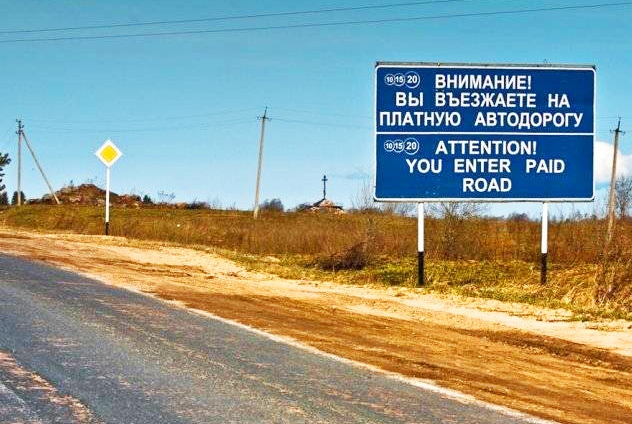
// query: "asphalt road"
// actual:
[[73, 350]]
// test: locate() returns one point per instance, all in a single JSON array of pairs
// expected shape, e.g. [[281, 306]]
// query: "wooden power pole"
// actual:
[[22, 136], [263, 119], [613, 182], [19, 180]]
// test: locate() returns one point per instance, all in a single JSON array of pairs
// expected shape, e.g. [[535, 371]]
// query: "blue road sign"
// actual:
[[484, 132]]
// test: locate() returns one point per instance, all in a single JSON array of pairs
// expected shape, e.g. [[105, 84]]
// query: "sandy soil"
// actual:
[[527, 358]]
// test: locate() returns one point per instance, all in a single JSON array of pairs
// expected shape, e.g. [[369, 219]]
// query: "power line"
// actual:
[[324, 124], [311, 112], [209, 125], [233, 17], [201, 126], [319, 24], [204, 115]]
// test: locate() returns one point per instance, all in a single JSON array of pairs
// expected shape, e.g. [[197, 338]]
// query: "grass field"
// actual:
[[482, 257]]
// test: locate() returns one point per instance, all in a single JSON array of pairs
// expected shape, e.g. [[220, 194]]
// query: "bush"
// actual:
[[356, 257], [197, 205], [272, 205]]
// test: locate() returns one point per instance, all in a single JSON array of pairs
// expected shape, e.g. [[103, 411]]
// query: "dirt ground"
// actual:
[[519, 356]]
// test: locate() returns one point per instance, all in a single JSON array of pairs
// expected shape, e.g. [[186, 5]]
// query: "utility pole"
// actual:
[[263, 119], [19, 182], [613, 182], [41, 170], [22, 135]]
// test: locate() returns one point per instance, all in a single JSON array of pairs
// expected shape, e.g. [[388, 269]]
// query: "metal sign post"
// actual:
[[108, 153], [484, 133], [545, 237], [107, 200], [420, 245]]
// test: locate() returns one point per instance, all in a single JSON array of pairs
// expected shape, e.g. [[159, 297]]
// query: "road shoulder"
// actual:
[[527, 358]]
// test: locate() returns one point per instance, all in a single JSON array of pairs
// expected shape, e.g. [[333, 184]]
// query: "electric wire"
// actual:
[[204, 126], [312, 112], [232, 17], [324, 124], [320, 24], [201, 126], [164, 118]]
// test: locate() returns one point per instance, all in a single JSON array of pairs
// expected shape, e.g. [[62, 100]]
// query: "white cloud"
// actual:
[[603, 162]]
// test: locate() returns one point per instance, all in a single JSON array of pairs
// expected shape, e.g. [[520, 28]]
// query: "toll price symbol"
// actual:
[[411, 146], [412, 79]]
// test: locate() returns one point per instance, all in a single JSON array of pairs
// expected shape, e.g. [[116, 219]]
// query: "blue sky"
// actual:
[[183, 108]]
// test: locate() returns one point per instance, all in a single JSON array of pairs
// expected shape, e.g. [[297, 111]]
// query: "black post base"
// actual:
[[107, 228], [543, 269], [420, 269]]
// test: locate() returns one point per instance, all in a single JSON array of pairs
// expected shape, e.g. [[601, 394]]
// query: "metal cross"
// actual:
[[324, 180]]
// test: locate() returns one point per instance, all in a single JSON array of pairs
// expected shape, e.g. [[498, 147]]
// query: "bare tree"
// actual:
[[164, 197], [399, 208], [456, 210], [623, 195], [456, 241], [363, 201]]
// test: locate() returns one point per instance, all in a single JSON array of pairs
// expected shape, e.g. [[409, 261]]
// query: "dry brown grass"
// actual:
[[570, 242], [486, 257]]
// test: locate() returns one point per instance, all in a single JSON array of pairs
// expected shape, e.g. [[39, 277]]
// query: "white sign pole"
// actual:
[[108, 153], [545, 236], [420, 244], [107, 200]]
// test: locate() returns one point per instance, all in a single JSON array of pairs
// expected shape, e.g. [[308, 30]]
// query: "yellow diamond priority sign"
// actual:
[[108, 153]]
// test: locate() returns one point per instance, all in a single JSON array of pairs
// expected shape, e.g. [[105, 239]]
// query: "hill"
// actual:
[[88, 194]]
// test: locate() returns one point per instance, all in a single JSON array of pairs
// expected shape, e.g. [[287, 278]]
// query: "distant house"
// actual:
[[326, 205]]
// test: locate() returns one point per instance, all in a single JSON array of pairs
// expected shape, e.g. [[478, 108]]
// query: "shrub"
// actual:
[[272, 205], [197, 205], [355, 257]]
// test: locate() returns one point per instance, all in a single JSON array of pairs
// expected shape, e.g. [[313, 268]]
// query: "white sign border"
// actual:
[[107, 143], [554, 67]]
